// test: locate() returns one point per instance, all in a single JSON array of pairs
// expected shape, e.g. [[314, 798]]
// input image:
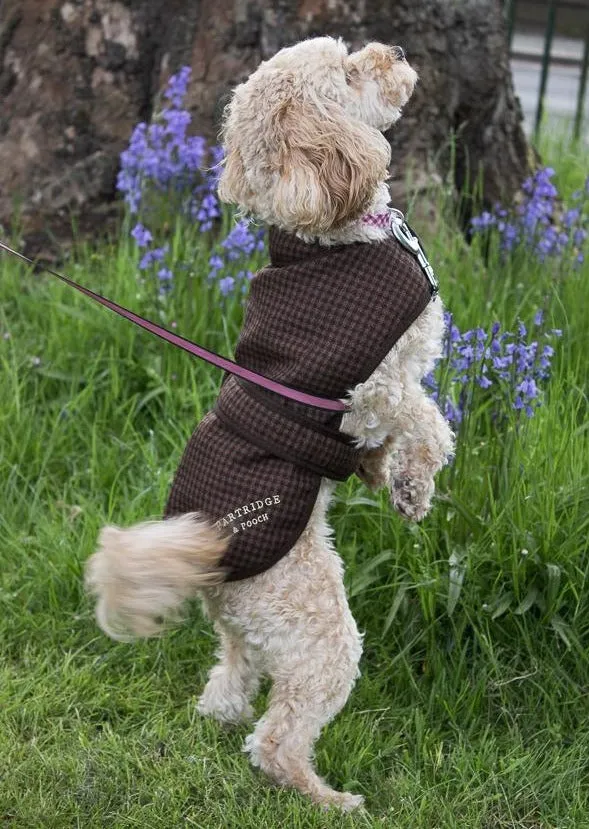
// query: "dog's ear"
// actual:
[[296, 160], [328, 166], [233, 185]]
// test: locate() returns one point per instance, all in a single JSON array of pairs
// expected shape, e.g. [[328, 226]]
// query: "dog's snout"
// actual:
[[399, 53]]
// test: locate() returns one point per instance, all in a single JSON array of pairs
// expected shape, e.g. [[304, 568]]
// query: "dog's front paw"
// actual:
[[412, 498]]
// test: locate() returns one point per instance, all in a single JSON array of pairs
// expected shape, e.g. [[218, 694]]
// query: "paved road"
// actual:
[[563, 80]]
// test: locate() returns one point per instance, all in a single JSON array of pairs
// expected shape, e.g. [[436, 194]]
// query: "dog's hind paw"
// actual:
[[344, 801], [224, 704]]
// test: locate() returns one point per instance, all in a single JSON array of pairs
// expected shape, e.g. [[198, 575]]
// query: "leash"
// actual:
[[187, 345]]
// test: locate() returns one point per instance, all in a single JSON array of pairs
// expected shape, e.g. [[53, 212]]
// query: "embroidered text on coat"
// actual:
[[249, 514]]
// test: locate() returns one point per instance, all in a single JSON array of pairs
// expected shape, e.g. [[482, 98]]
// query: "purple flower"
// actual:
[[151, 256], [510, 236], [239, 241], [247, 275], [216, 263], [484, 221], [505, 367], [177, 121], [452, 413], [177, 86], [226, 285], [538, 221], [501, 363], [159, 253], [165, 273], [518, 403], [162, 163], [146, 260], [528, 387], [571, 217], [141, 235]]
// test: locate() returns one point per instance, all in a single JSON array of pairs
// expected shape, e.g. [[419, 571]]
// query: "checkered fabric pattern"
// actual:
[[319, 319], [377, 219]]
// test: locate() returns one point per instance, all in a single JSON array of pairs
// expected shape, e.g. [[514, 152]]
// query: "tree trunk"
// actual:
[[76, 76]]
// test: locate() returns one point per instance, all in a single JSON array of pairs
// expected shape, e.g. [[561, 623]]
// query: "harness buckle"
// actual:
[[410, 241]]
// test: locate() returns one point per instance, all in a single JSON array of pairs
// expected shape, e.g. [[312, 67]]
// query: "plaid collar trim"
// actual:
[[382, 220]]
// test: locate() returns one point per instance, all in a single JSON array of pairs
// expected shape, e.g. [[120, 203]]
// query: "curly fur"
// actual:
[[304, 147], [305, 152]]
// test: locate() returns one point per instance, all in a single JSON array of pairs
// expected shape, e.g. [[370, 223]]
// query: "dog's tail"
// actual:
[[142, 575]]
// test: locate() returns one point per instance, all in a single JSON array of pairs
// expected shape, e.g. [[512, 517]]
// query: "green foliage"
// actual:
[[472, 706]]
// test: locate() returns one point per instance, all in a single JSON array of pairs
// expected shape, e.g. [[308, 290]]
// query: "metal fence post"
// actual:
[[582, 88], [545, 64], [510, 19]]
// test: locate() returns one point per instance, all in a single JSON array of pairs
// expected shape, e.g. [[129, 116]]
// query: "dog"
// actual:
[[306, 155]]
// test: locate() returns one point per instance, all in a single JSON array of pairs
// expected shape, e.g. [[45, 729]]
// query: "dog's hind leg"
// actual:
[[233, 682], [311, 649], [309, 688], [295, 617]]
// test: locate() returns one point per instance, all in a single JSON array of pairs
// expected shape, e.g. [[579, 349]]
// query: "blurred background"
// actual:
[[76, 76], [549, 48]]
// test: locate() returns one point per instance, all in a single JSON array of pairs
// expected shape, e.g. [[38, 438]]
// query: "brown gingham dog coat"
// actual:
[[318, 319]]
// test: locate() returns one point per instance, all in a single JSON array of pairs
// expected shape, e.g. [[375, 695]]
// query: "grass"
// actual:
[[472, 707]]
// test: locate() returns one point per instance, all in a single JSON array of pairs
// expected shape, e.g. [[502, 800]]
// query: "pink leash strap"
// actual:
[[192, 348]]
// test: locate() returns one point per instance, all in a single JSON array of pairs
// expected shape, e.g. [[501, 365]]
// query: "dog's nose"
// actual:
[[399, 53]]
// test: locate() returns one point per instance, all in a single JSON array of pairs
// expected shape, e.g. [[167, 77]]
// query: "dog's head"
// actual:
[[303, 141]]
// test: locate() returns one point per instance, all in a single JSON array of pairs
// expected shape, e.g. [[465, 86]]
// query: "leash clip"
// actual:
[[405, 236]]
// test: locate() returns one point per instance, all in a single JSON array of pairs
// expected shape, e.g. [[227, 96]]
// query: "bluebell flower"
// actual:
[[538, 221], [177, 86], [484, 221], [177, 121], [504, 365], [141, 235], [146, 260], [226, 285], [528, 387], [571, 217], [159, 253], [163, 160], [152, 256], [215, 262]]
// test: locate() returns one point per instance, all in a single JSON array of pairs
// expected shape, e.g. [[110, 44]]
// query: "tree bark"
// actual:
[[76, 76]]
